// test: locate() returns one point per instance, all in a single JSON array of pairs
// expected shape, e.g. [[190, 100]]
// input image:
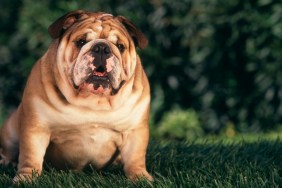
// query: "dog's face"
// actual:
[[96, 51]]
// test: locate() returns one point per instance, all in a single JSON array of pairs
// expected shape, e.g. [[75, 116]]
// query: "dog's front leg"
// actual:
[[133, 154], [33, 143]]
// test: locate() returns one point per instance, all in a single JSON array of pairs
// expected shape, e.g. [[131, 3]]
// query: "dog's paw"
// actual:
[[138, 174], [22, 178]]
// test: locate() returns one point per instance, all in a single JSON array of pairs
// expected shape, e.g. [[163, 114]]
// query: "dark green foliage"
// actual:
[[220, 58]]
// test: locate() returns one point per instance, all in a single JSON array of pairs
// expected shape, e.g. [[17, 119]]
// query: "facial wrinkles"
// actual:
[[110, 30], [115, 34], [112, 37], [90, 34], [67, 57], [107, 29], [96, 29], [63, 64]]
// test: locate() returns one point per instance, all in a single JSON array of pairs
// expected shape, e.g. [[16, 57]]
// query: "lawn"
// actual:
[[210, 162]]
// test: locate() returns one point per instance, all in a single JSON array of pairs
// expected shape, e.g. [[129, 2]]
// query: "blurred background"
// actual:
[[215, 66]]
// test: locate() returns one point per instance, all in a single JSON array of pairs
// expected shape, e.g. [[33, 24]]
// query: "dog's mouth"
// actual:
[[99, 82]]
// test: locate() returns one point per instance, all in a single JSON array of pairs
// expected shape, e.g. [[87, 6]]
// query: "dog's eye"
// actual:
[[121, 47], [79, 43]]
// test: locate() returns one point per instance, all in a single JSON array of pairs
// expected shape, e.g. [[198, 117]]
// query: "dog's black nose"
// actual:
[[101, 48], [101, 51]]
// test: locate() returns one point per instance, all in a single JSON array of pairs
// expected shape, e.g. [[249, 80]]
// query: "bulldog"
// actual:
[[86, 101]]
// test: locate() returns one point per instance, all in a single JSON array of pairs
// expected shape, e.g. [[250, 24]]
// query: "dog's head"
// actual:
[[96, 50]]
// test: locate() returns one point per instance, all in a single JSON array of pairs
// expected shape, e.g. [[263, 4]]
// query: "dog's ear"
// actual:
[[138, 37], [58, 28]]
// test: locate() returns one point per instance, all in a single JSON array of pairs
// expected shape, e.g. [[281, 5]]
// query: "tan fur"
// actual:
[[69, 129]]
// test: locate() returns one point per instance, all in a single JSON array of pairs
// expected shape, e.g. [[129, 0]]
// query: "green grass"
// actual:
[[211, 162]]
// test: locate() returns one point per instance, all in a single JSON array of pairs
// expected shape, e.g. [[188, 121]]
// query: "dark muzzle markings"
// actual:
[[98, 69]]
